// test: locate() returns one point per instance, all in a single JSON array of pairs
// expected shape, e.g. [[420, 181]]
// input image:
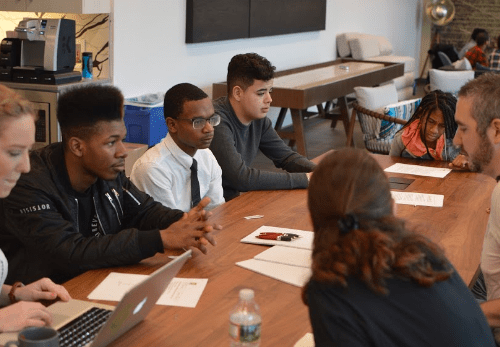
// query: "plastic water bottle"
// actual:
[[87, 65], [244, 321]]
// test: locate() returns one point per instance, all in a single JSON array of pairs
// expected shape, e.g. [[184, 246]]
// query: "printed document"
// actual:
[[418, 170], [418, 199], [286, 264], [184, 292]]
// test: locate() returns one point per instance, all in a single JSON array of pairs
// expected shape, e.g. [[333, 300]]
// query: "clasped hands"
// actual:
[[192, 230]]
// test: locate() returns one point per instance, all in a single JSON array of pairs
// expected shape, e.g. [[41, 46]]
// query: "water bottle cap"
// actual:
[[246, 294]]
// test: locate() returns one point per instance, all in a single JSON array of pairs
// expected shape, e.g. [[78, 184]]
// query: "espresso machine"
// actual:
[[40, 51]]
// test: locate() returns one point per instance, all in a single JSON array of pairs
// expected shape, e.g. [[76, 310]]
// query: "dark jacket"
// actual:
[[39, 223]]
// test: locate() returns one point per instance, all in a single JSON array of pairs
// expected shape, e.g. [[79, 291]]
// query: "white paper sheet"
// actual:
[[294, 275], [418, 170], [418, 199], [287, 255], [183, 292], [305, 240], [306, 341]]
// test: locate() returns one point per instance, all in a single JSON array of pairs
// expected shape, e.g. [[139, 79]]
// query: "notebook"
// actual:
[[132, 309]]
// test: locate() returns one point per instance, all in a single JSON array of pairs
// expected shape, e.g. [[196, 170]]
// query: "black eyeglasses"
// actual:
[[199, 123]]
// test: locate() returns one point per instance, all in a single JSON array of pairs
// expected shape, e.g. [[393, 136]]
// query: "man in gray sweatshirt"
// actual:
[[244, 129]]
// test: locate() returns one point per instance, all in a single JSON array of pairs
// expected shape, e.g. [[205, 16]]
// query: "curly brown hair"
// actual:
[[356, 233]]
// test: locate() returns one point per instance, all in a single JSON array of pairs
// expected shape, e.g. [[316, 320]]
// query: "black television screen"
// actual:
[[217, 20], [277, 17]]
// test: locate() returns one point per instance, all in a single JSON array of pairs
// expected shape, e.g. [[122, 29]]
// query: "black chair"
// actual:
[[445, 60], [449, 50]]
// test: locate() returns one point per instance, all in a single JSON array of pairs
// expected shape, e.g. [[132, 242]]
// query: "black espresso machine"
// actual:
[[40, 51]]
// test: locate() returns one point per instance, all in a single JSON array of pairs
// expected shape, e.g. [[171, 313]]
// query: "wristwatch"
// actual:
[[12, 295]]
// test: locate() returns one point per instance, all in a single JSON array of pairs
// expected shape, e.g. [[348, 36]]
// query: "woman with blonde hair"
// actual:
[[375, 283], [17, 136]]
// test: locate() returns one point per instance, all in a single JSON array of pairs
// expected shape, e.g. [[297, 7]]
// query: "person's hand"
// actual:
[[309, 174], [43, 289], [23, 314], [460, 162], [192, 230]]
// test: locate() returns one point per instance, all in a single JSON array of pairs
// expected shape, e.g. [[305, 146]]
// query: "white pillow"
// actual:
[[462, 64], [343, 43], [375, 98], [449, 81], [364, 47], [384, 46]]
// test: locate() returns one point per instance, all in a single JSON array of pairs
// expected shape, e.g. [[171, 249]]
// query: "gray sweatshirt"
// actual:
[[235, 146]]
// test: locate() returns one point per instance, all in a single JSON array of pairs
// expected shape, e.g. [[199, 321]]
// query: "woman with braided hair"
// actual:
[[429, 133], [374, 283]]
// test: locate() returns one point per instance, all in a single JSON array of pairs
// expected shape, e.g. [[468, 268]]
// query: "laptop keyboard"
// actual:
[[84, 328]]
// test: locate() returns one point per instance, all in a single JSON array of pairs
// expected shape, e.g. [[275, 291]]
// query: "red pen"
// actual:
[[278, 236]]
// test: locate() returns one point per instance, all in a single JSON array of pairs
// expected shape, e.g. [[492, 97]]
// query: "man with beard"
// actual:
[[478, 119]]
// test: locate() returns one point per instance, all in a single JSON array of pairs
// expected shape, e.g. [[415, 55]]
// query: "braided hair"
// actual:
[[436, 100]]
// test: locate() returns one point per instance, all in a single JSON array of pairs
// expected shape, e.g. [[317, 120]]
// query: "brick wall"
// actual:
[[472, 14]]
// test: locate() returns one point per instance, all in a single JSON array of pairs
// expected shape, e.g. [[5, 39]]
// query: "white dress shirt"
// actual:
[[164, 173]]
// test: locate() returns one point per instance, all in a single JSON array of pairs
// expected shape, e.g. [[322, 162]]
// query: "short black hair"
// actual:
[[81, 108], [176, 96], [482, 38], [244, 69], [477, 31]]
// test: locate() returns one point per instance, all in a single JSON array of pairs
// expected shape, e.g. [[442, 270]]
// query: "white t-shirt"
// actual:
[[4, 268], [490, 257], [164, 172]]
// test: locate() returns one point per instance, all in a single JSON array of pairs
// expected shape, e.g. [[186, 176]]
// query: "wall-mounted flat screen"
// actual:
[[278, 17], [217, 20]]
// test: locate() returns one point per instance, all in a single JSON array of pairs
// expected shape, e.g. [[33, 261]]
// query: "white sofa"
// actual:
[[377, 48]]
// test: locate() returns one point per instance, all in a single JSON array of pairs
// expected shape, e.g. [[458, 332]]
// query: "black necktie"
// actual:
[[195, 185]]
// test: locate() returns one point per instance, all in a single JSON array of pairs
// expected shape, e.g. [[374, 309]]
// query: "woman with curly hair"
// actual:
[[429, 133], [374, 283]]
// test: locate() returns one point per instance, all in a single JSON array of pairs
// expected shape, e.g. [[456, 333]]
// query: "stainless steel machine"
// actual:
[[47, 52]]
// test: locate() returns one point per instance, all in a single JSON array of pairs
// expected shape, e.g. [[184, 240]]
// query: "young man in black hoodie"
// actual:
[[76, 210]]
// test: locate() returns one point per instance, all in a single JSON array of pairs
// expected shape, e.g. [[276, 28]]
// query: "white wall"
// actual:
[[149, 53]]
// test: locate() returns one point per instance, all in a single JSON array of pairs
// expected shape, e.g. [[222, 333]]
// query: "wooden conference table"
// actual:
[[458, 227], [300, 88]]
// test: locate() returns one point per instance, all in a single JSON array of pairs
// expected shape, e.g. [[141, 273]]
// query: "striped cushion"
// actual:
[[401, 110]]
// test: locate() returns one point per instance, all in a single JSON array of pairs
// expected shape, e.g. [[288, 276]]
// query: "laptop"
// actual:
[[132, 309]]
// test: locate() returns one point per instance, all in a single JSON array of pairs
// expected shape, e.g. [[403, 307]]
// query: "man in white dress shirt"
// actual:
[[164, 171]]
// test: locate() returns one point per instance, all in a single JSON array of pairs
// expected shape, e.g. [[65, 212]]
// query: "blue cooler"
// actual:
[[144, 119]]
